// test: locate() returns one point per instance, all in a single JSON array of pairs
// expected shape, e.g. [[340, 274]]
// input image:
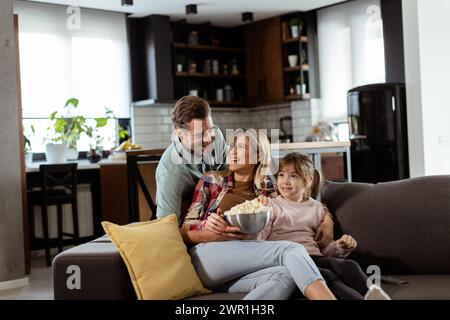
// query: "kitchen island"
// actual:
[[316, 149]]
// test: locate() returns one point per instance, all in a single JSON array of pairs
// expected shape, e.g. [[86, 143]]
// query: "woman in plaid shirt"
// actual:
[[263, 269]]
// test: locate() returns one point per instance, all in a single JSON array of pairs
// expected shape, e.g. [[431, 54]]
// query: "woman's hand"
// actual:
[[347, 242], [216, 224]]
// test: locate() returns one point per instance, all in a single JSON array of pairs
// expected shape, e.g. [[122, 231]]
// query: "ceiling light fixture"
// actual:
[[127, 3], [247, 17], [191, 9]]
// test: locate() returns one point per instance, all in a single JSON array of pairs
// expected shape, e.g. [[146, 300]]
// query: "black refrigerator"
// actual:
[[378, 132]]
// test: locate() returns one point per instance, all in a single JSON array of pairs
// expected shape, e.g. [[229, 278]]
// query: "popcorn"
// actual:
[[249, 206]]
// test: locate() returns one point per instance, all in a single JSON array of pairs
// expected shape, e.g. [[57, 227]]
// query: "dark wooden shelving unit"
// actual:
[[303, 39], [304, 67], [305, 96], [197, 55], [208, 75], [296, 78]]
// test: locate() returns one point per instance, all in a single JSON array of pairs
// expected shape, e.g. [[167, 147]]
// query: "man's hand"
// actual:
[[324, 233], [347, 242]]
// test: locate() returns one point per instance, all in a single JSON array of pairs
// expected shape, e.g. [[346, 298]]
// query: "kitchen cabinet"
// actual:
[[264, 67]]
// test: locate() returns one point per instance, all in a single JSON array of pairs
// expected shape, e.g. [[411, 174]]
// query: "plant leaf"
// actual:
[[101, 122], [72, 101]]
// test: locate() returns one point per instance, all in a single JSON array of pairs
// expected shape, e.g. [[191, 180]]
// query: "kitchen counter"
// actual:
[[316, 149], [82, 164], [313, 145]]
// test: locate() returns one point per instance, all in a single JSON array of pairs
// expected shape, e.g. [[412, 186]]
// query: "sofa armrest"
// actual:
[[97, 272]]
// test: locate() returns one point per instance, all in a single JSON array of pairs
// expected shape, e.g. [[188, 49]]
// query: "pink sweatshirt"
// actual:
[[298, 222]]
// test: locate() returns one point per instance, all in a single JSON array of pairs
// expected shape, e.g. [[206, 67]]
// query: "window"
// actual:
[[89, 63], [351, 53]]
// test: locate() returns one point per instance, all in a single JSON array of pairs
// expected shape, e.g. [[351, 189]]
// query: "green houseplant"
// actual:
[[296, 25], [69, 128]]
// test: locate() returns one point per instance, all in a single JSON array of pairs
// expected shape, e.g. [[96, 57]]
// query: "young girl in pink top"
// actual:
[[296, 216]]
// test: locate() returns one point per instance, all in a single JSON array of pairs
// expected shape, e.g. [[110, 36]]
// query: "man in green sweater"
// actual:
[[197, 147]]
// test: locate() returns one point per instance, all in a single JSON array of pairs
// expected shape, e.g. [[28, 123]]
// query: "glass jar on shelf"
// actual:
[[192, 66], [207, 66], [215, 66], [228, 92], [193, 38]]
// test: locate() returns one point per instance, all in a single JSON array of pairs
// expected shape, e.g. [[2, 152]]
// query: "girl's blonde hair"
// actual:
[[260, 145], [303, 165]]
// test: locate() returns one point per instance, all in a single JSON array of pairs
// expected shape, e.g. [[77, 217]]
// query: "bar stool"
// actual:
[[58, 187]]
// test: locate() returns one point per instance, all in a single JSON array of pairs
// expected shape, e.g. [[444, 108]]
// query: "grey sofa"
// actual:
[[403, 227]]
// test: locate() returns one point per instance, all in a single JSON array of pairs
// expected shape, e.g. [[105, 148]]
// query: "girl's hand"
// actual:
[[216, 224], [263, 199], [324, 233], [347, 242]]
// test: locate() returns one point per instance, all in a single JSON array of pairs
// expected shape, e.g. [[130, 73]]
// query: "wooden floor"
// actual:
[[40, 287]]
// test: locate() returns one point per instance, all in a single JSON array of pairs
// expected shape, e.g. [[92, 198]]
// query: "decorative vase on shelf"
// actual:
[[294, 31], [193, 38], [193, 92], [219, 94], [293, 58]]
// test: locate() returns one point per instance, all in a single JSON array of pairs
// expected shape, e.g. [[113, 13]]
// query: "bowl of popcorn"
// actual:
[[251, 216]]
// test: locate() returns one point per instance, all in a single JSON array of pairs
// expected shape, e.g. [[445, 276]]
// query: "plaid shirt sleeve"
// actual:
[[268, 187], [197, 210]]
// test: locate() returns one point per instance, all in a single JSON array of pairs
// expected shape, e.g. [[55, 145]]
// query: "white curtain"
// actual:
[[64, 55], [351, 53]]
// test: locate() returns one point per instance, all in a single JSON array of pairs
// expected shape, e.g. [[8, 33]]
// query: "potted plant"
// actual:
[[296, 25], [69, 128]]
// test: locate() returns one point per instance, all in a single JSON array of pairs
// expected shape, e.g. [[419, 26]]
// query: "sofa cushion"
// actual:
[[156, 259], [401, 226], [420, 287]]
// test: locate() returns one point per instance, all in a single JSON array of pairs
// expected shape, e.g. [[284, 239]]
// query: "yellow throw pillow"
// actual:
[[156, 258]]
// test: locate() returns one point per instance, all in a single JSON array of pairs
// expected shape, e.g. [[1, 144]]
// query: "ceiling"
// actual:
[[225, 13]]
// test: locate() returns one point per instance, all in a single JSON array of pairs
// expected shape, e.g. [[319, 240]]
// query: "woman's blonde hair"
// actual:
[[303, 165], [260, 145]]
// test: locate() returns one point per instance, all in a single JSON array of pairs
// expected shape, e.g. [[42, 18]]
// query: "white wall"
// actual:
[[427, 70]]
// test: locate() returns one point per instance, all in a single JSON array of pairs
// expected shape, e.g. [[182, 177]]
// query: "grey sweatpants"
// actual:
[[264, 269]]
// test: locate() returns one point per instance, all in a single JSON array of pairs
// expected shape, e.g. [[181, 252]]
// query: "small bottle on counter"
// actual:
[[225, 69], [234, 68]]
